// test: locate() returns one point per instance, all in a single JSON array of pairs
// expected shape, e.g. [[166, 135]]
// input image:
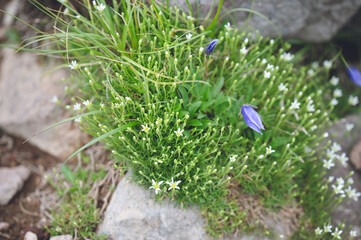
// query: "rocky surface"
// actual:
[[26, 106], [62, 237], [133, 214], [12, 180], [4, 226], [313, 21], [349, 210], [355, 155], [30, 236]]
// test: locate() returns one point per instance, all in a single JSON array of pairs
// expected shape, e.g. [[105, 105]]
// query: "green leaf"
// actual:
[[184, 95], [194, 107], [68, 174], [195, 123], [217, 88]]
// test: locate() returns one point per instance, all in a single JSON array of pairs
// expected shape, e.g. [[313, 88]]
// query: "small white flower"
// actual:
[[330, 178], [145, 128], [313, 128], [270, 67], [228, 26], [74, 65], [201, 49], [338, 190], [243, 50], [246, 41], [271, 41], [315, 65], [100, 7], [327, 228], [310, 72], [54, 99], [351, 193], [267, 74], [173, 185], [353, 233], [349, 126], [325, 135], [286, 56], [336, 147], [156, 186], [63, 1], [282, 87], [269, 150], [310, 106], [340, 182], [328, 164], [226, 59], [86, 103], [334, 102], [179, 132], [66, 11], [264, 61], [337, 93], [295, 105], [261, 156], [190, 18], [78, 120], [334, 80], [189, 36], [233, 158], [353, 100], [77, 107], [67, 107], [318, 231], [337, 233], [327, 64], [343, 159]]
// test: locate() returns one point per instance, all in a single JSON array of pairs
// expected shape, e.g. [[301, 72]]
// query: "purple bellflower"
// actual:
[[252, 118], [355, 75], [211, 47]]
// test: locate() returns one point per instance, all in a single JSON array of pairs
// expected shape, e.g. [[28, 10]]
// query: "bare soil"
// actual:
[[23, 211]]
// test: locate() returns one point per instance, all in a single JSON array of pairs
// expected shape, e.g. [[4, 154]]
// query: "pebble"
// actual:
[[30, 236]]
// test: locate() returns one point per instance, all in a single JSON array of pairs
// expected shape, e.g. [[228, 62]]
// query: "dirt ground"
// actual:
[[23, 212]]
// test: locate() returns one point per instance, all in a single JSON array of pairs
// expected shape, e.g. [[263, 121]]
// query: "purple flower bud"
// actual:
[[355, 75], [211, 46], [252, 118]]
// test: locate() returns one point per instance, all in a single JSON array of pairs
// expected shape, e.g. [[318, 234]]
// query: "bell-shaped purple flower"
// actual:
[[252, 118], [211, 47], [355, 75]]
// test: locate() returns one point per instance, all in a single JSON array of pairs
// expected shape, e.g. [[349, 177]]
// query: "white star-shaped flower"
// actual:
[[267, 74], [353, 100], [353, 233], [282, 87], [328, 164], [243, 50], [189, 36], [145, 128], [228, 26], [318, 231], [349, 126], [334, 80], [77, 107], [337, 233], [156, 186], [173, 185], [295, 105], [100, 7], [233, 158], [269, 150], [327, 228], [73, 65], [179, 132]]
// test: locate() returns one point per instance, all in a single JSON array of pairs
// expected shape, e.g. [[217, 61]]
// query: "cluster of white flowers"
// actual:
[[328, 229], [286, 56], [310, 106], [243, 50], [99, 7], [172, 185], [339, 188], [332, 154]]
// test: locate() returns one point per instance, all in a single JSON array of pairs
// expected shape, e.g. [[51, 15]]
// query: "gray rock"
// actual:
[[30, 236], [4, 226], [313, 21], [62, 237], [349, 210], [355, 155], [26, 91], [12, 180], [133, 214]]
